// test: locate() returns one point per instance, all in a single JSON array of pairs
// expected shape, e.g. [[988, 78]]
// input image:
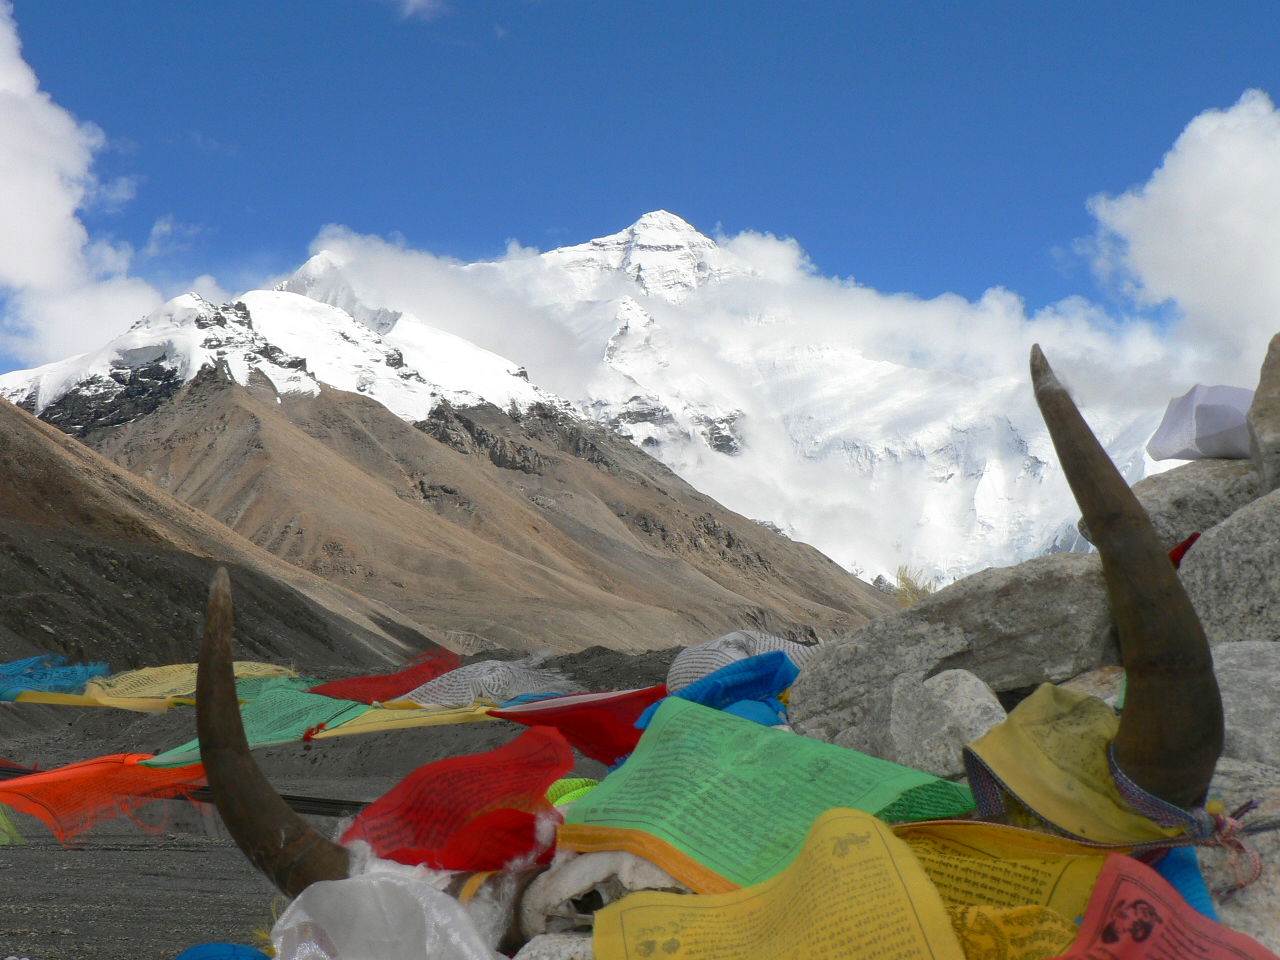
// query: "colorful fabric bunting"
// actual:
[[601, 726], [276, 710], [852, 890], [378, 719], [1135, 915], [746, 688], [477, 812], [388, 686], [71, 799], [173, 680], [1050, 755], [720, 802], [49, 672]]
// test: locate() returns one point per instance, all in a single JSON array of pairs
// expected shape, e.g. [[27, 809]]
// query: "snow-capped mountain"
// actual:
[[677, 345], [674, 341], [292, 342], [661, 254]]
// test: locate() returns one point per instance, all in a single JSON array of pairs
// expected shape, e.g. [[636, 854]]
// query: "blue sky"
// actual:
[[924, 147]]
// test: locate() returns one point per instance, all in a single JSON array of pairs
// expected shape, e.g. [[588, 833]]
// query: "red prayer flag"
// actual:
[[601, 726], [477, 812], [389, 686], [1134, 914], [71, 799]]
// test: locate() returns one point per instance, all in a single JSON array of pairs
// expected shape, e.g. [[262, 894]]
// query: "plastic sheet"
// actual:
[[377, 916], [601, 726], [1204, 422], [388, 686], [478, 812]]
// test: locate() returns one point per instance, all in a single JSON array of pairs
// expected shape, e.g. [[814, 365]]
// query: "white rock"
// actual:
[[1194, 497], [558, 946], [1105, 683], [931, 721], [1264, 419]]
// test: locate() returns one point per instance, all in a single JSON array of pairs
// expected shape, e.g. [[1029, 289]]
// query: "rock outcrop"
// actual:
[[1231, 574], [1249, 675], [1263, 419], [1010, 627], [1194, 497]]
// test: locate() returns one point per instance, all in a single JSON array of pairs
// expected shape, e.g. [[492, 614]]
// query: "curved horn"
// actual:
[[273, 837], [1171, 732]]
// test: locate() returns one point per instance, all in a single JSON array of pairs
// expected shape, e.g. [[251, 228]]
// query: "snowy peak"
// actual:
[[136, 371], [663, 254], [321, 278], [298, 344]]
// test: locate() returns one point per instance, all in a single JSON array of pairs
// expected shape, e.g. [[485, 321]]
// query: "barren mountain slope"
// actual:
[[74, 525], [545, 531]]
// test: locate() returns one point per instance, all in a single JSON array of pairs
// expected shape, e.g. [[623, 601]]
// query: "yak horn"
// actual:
[[1170, 734], [273, 837]]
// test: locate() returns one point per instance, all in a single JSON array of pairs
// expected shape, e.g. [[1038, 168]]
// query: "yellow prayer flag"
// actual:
[[382, 718], [1051, 754], [173, 680], [854, 890], [972, 863]]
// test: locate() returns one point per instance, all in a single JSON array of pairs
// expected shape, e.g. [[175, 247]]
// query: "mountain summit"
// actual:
[[662, 254]]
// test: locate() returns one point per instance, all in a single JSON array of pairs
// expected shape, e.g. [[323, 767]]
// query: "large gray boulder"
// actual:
[[1231, 574], [1263, 419], [1194, 497], [1013, 627], [1252, 910], [929, 722], [1249, 675]]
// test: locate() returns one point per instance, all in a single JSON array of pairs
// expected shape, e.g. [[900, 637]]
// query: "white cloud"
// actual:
[[1202, 233], [62, 288], [207, 286], [169, 236], [422, 9]]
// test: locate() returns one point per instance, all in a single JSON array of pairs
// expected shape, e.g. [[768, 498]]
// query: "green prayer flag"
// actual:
[[276, 710], [739, 797], [8, 832]]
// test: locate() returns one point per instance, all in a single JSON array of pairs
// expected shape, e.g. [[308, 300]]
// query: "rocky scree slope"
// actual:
[[99, 564]]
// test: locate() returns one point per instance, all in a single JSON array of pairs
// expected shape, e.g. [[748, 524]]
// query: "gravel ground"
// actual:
[[126, 893]]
